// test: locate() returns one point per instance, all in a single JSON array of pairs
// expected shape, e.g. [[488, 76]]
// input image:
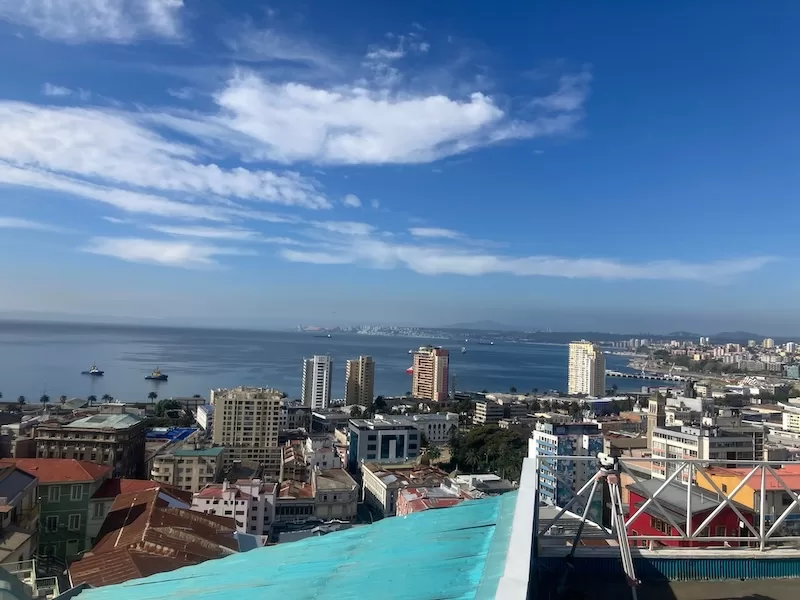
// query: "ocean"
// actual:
[[47, 358]]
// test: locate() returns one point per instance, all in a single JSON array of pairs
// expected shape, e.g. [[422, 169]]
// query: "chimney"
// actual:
[[224, 485]]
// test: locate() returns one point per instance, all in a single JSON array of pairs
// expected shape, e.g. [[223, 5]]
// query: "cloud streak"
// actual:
[[184, 254], [15, 223], [80, 21]]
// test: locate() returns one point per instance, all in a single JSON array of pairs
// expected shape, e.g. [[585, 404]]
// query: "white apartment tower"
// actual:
[[587, 369], [246, 422], [317, 374], [360, 381]]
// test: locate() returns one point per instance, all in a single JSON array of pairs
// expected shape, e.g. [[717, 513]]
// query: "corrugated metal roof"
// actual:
[[453, 553]]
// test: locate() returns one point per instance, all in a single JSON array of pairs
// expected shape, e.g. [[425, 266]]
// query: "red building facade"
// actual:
[[653, 522]]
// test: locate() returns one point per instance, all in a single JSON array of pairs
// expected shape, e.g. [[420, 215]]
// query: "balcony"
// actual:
[[37, 587], [693, 520]]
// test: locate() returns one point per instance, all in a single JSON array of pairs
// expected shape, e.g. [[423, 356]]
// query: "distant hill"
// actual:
[[482, 326]]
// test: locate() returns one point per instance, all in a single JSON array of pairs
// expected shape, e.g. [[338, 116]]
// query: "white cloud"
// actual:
[[293, 122], [375, 204], [253, 44], [115, 220], [167, 253], [16, 223], [434, 232], [49, 89], [110, 146], [214, 233], [349, 228], [571, 95], [374, 252], [115, 21], [184, 93], [352, 201]]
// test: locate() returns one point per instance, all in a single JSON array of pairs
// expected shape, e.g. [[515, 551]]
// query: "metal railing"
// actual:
[[753, 500]]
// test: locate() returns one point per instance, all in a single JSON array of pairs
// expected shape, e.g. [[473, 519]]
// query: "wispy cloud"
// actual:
[[115, 21], [184, 254], [352, 201], [184, 93], [49, 89], [15, 223], [434, 232], [359, 247]]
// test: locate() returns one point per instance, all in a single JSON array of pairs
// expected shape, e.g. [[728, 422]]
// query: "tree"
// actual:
[[380, 404], [512, 389], [535, 390], [107, 398], [44, 399], [91, 399], [21, 402], [152, 397], [62, 400], [434, 453], [356, 412], [164, 407], [196, 396]]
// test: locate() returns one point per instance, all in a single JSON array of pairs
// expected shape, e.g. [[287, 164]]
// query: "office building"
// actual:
[[587, 369], [431, 371], [487, 412], [382, 440], [360, 381], [317, 374], [246, 422], [656, 416], [560, 480], [113, 437]]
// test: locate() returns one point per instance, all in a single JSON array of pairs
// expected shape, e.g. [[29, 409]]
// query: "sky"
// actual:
[[614, 166]]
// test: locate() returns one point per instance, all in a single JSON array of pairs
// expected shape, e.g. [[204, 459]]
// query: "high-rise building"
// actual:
[[768, 343], [246, 422], [431, 372], [587, 369], [317, 375], [360, 381]]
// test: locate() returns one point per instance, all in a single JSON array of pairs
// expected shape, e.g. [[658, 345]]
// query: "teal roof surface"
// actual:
[[444, 554]]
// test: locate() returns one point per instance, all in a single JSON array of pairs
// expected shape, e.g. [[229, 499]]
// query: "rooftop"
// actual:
[[199, 452], [334, 479], [673, 497], [295, 489], [106, 421], [384, 423], [59, 470], [148, 532], [111, 488], [458, 553], [13, 481], [790, 474]]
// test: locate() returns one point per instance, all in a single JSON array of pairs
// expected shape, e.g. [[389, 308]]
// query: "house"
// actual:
[[383, 483], [776, 498], [19, 515], [674, 499], [101, 501], [148, 532], [65, 488], [188, 468], [250, 502], [335, 494]]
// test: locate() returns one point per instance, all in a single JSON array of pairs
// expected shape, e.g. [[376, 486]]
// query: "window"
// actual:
[[74, 523], [99, 510], [53, 493], [76, 492], [724, 488], [51, 523], [720, 531]]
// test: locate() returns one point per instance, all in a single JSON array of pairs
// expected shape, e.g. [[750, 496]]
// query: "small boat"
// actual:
[[157, 375], [410, 370], [323, 336], [463, 350], [94, 372], [411, 351]]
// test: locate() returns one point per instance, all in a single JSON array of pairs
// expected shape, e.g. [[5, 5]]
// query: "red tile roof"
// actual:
[[59, 470], [111, 488], [143, 535], [296, 489]]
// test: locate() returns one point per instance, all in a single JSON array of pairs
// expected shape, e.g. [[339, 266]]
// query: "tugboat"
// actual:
[[157, 375], [463, 349], [94, 372]]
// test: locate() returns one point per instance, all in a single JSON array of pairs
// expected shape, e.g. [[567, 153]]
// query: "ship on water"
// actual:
[[157, 375], [94, 372]]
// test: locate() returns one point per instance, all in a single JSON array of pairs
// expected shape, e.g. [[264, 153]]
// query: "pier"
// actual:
[[643, 375]]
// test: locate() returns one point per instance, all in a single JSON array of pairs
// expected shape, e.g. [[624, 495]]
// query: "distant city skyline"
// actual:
[[581, 166]]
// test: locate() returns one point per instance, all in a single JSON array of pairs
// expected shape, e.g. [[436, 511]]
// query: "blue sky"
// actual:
[[618, 166]]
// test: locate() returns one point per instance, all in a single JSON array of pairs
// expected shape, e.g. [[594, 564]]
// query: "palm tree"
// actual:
[[62, 400], [21, 402], [107, 398], [197, 396], [44, 399], [152, 396], [91, 399]]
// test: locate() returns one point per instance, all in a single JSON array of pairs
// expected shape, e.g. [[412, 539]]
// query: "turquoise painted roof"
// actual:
[[450, 553], [201, 452]]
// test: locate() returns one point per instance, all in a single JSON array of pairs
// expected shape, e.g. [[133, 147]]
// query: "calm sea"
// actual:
[[38, 358]]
